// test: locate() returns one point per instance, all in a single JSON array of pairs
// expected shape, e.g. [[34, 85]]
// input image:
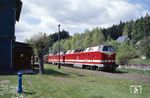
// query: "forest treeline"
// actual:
[[135, 30]]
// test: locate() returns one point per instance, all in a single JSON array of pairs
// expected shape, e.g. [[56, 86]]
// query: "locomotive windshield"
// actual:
[[108, 48]]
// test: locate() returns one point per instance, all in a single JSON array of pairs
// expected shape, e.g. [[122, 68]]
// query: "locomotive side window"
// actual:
[[111, 49]]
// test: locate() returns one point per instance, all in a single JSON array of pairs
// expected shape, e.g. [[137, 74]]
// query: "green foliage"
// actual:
[[125, 53], [53, 38], [97, 37], [137, 30], [115, 44], [87, 42], [144, 47], [55, 47], [84, 40], [140, 29], [67, 44], [127, 29], [75, 41], [114, 31], [40, 43], [63, 35]]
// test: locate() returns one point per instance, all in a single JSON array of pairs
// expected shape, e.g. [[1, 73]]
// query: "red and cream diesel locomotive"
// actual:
[[100, 57]]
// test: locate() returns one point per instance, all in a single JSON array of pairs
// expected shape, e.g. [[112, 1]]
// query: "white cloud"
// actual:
[[73, 15]]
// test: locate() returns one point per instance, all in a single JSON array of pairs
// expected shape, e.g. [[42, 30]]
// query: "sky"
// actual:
[[75, 15]]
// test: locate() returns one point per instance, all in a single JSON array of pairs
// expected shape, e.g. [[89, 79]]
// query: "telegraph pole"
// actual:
[[59, 45]]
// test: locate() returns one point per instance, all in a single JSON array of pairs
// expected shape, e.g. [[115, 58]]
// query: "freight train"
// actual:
[[100, 57]]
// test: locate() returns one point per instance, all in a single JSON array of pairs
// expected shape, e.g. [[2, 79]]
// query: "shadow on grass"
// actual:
[[7, 73], [77, 74], [116, 72], [28, 93], [119, 72], [34, 71], [54, 73]]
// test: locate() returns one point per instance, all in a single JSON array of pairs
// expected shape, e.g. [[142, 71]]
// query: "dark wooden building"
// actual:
[[9, 14], [22, 56]]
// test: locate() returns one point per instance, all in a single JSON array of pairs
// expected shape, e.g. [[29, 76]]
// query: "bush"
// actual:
[[144, 47], [125, 53]]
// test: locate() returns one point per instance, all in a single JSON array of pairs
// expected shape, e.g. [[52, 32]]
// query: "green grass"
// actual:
[[70, 83], [135, 71], [139, 61]]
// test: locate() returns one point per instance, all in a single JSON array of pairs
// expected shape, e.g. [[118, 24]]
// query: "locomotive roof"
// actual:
[[95, 48], [89, 49], [70, 51], [79, 50]]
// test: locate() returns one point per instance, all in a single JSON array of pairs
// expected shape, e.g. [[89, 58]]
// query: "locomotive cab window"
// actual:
[[108, 48]]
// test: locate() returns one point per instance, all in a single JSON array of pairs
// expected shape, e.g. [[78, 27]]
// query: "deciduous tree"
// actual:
[[40, 43]]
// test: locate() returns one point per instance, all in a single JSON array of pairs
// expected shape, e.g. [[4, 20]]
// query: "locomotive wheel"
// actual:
[[94, 67], [84, 66]]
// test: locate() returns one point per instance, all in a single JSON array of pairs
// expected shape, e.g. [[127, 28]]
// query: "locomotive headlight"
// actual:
[[108, 60]]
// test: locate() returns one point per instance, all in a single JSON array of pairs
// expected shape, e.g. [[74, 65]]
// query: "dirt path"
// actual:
[[116, 75]]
